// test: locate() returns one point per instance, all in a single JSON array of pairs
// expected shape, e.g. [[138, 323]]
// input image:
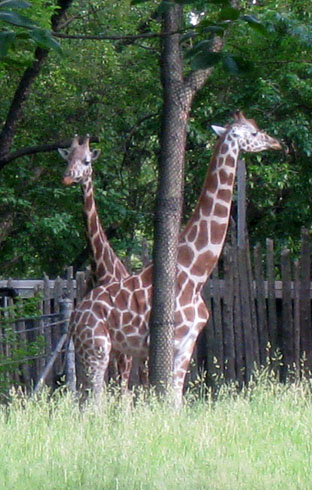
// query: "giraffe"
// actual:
[[107, 266], [123, 308]]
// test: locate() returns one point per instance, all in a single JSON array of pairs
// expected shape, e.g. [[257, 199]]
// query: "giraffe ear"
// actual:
[[95, 154], [219, 130], [63, 152]]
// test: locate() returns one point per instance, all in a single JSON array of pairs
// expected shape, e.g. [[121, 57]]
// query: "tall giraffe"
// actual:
[[123, 308], [107, 266]]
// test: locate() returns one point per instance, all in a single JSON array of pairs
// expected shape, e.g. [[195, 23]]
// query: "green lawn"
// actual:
[[259, 439]]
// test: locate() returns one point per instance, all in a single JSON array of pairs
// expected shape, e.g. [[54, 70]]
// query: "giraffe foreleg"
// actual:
[[182, 356], [92, 358]]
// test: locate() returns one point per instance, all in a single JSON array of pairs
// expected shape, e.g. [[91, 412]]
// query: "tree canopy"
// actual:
[[101, 76]]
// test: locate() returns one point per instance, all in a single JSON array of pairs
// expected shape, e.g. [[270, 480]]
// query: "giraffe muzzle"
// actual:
[[67, 180]]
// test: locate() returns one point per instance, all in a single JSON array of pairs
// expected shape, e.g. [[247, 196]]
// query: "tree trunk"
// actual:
[[177, 100], [168, 204]]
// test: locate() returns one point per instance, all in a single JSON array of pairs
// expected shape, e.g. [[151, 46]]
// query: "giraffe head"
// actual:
[[79, 159], [247, 134]]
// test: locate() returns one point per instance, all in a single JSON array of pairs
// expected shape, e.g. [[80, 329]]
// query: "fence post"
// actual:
[[65, 311], [66, 306]]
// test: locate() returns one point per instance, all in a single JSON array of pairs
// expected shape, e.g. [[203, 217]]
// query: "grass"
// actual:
[[257, 439]]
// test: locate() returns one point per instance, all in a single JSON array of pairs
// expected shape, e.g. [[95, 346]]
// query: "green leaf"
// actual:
[[206, 26], [205, 59], [199, 47], [236, 65], [44, 39], [6, 39], [15, 4], [17, 19], [221, 2], [136, 2], [230, 64], [229, 13], [184, 2], [255, 24]]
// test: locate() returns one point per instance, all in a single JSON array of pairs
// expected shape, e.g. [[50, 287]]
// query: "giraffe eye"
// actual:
[[86, 162], [254, 134]]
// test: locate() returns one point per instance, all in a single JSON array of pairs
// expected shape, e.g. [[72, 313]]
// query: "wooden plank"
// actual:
[[56, 329], [47, 331], [39, 363], [228, 320], [296, 346], [217, 321], [70, 283], [272, 316], [246, 312], [305, 302], [252, 295], [26, 380], [237, 318], [80, 286], [261, 305], [287, 319], [209, 335]]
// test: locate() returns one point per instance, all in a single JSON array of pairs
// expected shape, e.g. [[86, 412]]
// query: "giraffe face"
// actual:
[[79, 159], [251, 139], [246, 134]]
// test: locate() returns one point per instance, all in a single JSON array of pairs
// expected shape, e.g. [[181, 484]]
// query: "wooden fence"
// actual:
[[27, 344], [260, 312]]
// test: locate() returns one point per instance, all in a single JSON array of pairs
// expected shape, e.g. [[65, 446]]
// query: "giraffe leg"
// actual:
[[92, 358], [124, 364], [182, 357]]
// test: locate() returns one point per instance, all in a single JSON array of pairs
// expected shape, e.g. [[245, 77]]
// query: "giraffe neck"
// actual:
[[202, 240], [108, 267]]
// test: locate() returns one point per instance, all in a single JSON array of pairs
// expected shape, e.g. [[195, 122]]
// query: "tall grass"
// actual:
[[257, 439]]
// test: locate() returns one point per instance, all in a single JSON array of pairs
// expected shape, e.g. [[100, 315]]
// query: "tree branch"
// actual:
[[22, 92], [112, 37], [31, 150]]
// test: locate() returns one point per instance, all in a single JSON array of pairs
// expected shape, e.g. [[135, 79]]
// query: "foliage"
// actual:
[[112, 89], [19, 32]]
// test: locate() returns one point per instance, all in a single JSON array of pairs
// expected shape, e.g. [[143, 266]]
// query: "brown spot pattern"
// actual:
[[181, 332], [223, 176], [220, 211], [224, 148], [217, 232], [230, 161], [129, 329], [192, 233], [178, 317], [225, 195], [213, 183], [186, 295], [202, 236], [206, 205], [189, 313], [185, 256], [146, 277]]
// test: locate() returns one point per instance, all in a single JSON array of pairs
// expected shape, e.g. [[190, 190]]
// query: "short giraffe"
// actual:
[[123, 308], [108, 267]]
